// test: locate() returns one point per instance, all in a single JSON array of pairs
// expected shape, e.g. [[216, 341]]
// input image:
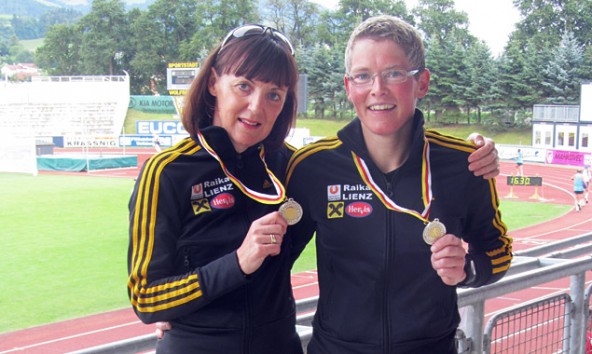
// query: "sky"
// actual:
[[489, 20]]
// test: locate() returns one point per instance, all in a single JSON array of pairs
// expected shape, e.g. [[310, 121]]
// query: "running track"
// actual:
[[80, 333]]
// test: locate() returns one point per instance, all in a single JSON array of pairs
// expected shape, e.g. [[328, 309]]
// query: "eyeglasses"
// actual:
[[253, 30], [393, 76]]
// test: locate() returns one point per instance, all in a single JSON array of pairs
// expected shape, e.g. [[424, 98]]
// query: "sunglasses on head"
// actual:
[[254, 30]]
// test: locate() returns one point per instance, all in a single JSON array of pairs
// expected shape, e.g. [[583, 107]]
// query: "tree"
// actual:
[[147, 52], [175, 24], [562, 73], [443, 64], [324, 68], [440, 22], [464, 76], [59, 54], [319, 73], [351, 12], [481, 76], [298, 19], [104, 37], [540, 32], [586, 68], [7, 38], [157, 36], [215, 19], [511, 85], [447, 38], [518, 85], [58, 16], [544, 21], [26, 27]]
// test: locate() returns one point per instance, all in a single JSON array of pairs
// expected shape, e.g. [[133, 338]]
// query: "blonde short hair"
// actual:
[[392, 28]]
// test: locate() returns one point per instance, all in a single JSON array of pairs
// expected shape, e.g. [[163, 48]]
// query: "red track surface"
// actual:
[[80, 333]]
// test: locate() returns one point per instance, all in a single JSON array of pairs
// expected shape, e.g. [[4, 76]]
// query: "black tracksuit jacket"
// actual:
[[378, 290], [186, 221]]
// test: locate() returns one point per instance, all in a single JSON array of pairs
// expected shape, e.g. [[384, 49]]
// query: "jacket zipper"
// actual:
[[247, 319], [186, 258], [386, 335]]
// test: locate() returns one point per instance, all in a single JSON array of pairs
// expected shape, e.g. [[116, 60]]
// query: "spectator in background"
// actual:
[[579, 187], [156, 143], [586, 176], [519, 163]]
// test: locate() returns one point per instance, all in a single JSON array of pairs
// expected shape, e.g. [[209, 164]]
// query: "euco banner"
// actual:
[[160, 127]]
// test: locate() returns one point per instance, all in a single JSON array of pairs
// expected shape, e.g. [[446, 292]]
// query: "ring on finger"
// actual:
[[273, 239]]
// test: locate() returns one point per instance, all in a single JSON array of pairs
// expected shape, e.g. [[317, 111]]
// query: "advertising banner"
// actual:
[[572, 158], [160, 127], [153, 104]]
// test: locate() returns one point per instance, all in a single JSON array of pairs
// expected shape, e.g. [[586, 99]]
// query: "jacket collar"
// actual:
[[218, 139], [351, 135]]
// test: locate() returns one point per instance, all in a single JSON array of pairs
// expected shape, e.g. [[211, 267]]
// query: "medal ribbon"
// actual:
[[426, 185], [260, 197]]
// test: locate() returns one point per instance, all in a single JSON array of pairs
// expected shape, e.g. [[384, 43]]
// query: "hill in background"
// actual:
[[36, 8]]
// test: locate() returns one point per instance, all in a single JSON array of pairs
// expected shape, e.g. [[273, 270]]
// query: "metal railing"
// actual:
[[542, 326], [530, 268]]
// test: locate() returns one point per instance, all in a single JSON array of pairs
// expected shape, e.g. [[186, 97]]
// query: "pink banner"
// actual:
[[572, 158]]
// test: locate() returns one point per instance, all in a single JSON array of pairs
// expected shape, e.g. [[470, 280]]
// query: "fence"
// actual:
[[556, 324]]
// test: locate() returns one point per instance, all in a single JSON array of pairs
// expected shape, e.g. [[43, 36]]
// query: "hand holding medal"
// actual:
[[434, 229]]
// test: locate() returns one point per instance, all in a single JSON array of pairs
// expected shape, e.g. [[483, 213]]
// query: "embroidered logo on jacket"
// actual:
[[358, 209], [197, 191], [267, 184], [334, 210], [212, 194], [334, 192], [200, 206], [348, 200], [223, 201]]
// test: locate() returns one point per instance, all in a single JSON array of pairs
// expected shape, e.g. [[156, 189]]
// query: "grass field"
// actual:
[[514, 136], [64, 245], [31, 44]]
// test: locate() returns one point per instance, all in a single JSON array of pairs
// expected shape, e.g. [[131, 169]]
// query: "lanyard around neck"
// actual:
[[426, 185], [264, 198]]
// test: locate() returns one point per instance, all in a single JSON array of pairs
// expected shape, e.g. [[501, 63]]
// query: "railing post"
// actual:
[[472, 325], [577, 335]]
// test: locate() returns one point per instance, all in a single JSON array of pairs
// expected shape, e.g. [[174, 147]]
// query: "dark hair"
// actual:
[[256, 57]]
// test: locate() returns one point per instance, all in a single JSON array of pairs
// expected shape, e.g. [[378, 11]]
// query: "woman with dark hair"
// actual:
[[206, 248]]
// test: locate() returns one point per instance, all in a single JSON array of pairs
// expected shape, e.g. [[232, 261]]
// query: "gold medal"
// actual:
[[433, 231], [291, 211]]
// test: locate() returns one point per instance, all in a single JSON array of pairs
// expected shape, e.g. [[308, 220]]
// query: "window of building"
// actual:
[[572, 139], [548, 138]]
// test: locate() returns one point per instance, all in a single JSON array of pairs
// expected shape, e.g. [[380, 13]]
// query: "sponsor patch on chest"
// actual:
[[212, 194], [351, 200]]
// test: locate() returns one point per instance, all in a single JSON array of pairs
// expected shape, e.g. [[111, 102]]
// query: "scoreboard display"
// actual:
[[180, 76], [524, 181]]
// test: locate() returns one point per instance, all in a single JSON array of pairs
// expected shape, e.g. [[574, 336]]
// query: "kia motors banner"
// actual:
[[153, 104]]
